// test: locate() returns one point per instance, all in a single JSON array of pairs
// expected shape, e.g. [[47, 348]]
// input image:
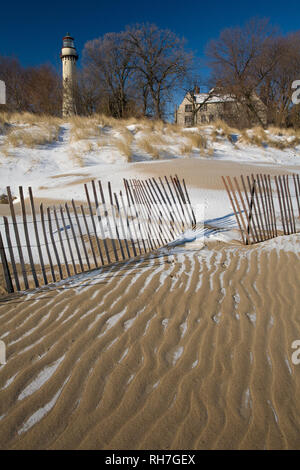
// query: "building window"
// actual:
[[188, 120], [203, 119], [203, 107], [188, 108], [211, 118]]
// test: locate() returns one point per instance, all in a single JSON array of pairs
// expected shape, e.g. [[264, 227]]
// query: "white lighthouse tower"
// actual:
[[69, 58]]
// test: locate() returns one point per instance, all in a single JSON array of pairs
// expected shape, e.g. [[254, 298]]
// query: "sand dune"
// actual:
[[190, 349]]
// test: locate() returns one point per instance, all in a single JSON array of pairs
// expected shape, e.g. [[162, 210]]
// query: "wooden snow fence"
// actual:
[[40, 245], [265, 206]]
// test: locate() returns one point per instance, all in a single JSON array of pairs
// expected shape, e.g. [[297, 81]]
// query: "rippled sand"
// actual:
[[187, 350]]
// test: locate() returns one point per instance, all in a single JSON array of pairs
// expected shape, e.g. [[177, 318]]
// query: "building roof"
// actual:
[[202, 97]]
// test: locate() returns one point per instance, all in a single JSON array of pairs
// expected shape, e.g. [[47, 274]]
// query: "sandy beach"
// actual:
[[190, 349]]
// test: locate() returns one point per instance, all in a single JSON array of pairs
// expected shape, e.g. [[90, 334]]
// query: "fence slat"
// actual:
[[176, 226], [80, 234], [132, 201], [68, 238], [128, 224], [61, 241], [189, 202], [177, 194], [145, 230], [89, 236], [122, 225], [115, 218], [251, 207], [265, 204], [46, 242], [247, 238], [298, 181], [162, 201], [284, 206], [272, 205], [108, 221], [93, 223], [11, 254], [255, 206], [74, 237], [143, 208], [257, 193], [100, 221], [53, 243], [156, 204], [264, 211], [268, 203], [17, 237], [6, 272], [37, 238], [297, 194], [175, 206], [151, 230], [32, 267], [245, 211], [184, 201], [289, 202], [280, 206], [131, 218], [235, 210], [150, 203]]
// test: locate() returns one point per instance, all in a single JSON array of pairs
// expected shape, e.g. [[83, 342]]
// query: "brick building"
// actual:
[[205, 108]]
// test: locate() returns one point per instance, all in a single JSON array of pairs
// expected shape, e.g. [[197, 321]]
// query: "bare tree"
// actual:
[[12, 73], [242, 59], [43, 91], [276, 89], [160, 61], [109, 64], [33, 89]]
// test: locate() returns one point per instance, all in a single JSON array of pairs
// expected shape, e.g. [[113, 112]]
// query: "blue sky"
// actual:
[[32, 31]]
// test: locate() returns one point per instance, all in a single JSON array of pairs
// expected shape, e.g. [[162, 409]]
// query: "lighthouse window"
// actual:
[[68, 43]]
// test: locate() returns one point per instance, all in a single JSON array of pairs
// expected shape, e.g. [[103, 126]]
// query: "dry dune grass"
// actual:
[[124, 143], [32, 137], [83, 128], [149, 135], [195, 139], [4, 123], [258, 138], [222, 130], [77, 157], [28, 130], [145, 145], [186, 149], [272, 137], [30, 119], [280, 131]]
